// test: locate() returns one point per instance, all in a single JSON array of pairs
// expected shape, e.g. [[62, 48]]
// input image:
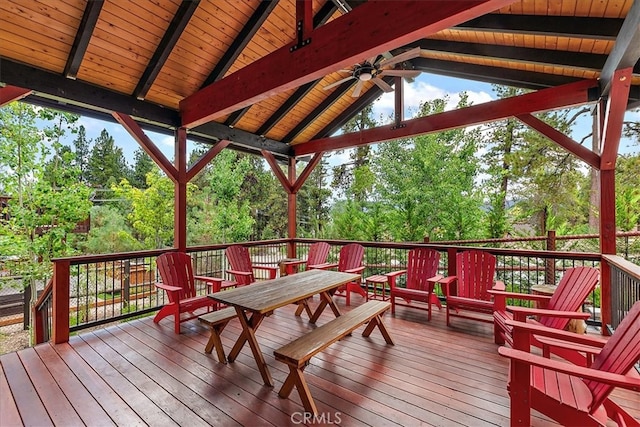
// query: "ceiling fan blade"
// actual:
[[357, 89], [404, 56], [400, 73], [338, 83], [382, 85]]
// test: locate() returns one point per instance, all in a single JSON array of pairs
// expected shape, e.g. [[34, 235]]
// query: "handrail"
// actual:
[[41, 323], [627, 266]]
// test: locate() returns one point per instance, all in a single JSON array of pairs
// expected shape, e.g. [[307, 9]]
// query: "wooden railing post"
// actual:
[[60, 328]]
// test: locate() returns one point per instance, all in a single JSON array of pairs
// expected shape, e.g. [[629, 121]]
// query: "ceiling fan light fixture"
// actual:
[[365, 72], [365, 76]]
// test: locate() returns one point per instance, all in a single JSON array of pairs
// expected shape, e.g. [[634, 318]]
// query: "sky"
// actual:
[[426, 87]]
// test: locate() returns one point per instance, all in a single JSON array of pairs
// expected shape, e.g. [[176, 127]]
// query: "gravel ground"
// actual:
[[13, 338]]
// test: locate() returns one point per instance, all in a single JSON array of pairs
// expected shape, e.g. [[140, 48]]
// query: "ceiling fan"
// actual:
[[374, 69]]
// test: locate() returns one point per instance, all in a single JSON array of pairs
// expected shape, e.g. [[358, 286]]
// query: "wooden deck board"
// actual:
[[140, 373]]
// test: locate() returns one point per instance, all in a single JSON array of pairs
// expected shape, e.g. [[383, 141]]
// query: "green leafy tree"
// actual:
[[110, 232], [142, 165], [314, 203], [82, 150], [628, 192], [106, 165], [218, 213], [427, 183], [41, 216], [150, 211], [355, 179]]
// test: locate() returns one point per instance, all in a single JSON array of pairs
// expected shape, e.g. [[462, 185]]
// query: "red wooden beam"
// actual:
[[583, 153], [542, 100], [372, 28], [277, 171], [180, 192], [304, 19], [206, 158], [306, 172], [147, 145], [12, 93], [292, 209], [614, 117]]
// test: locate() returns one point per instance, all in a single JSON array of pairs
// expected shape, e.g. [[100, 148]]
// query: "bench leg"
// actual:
[[377, 321], [214, 341], [296, 378]]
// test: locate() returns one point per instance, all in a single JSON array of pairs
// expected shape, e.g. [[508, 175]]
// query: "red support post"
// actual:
[[61, 294], [607, 239], [292, 208], [180, 192]]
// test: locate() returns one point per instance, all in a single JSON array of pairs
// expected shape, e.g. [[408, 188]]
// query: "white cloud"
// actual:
[[419, 92]]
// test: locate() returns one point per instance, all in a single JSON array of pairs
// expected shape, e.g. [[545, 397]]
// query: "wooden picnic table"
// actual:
[[254, 302]]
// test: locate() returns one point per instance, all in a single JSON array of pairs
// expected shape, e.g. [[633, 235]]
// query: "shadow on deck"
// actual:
[[140, 373]]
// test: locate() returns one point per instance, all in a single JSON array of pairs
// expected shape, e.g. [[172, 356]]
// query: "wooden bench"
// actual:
[[297, 353], [217, 320]]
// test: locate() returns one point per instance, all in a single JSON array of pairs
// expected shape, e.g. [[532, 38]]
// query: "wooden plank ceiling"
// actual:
[[142, 58]]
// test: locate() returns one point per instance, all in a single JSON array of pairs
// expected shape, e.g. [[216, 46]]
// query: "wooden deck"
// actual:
[[140, 373]]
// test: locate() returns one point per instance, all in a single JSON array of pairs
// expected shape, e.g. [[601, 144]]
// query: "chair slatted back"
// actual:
[[619, 354], [476, 272], [175, 269], [240, 260], [350, 257], [422, 264], [318, 253], [573, 289]]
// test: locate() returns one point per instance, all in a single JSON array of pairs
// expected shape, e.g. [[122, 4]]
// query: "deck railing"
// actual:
[[89, 291], [625, 287]]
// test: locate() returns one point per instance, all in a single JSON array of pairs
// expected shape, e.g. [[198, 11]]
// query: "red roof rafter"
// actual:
[[542, 100], [588, 156], [382, 26]]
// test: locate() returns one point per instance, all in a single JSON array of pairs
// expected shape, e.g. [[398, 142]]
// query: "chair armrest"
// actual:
[[540, 330], [324, 266], [356, 270], [168, 288], [239, 273], [617, 380], [517, 295], [520, 313], [445, 282], [298, 262], [273, 271], [393, 276]]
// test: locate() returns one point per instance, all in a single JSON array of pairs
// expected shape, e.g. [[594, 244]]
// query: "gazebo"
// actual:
[[264, 77]]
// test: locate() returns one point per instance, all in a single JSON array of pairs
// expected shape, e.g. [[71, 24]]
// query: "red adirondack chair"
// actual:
[[349, 261], [562, 306], [421, 273], [242, 268], [317, 258], [466, 293], [571, 394], [178, 282]]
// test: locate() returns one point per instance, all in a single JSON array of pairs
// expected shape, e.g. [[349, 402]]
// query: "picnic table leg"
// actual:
[[377, 321], [249, 326], [303, 306], [325, 299]]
